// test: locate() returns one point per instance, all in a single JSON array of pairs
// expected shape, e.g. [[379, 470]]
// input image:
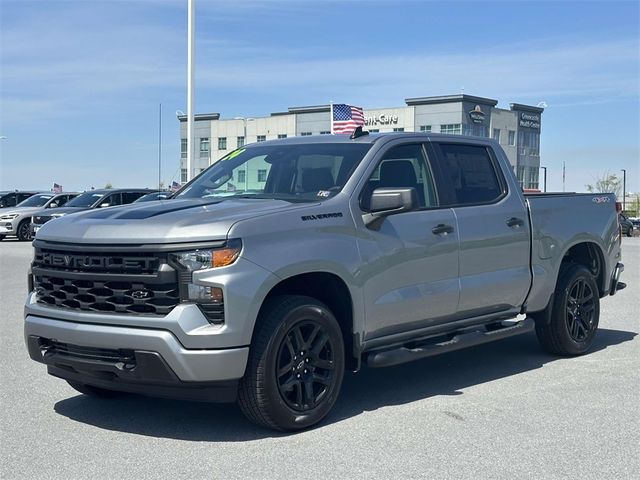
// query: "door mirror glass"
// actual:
[[105, 204], [389, 201], [53, 204]]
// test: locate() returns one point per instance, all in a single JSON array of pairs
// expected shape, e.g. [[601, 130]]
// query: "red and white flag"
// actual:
[[345, 118]]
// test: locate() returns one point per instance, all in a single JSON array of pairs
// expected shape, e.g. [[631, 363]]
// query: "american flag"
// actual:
[[346, 118], [175, 186], [56, 188]]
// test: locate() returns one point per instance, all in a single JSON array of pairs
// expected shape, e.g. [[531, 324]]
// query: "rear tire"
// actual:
[[2, 237], [92, 391], [24, 231], [574, 315], [296, 365]]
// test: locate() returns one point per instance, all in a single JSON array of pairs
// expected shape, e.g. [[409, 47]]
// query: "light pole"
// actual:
[[191, 33], [624, 189], [545, 178]]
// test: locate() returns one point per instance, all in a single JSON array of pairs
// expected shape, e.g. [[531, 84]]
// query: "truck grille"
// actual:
[[105, 282]]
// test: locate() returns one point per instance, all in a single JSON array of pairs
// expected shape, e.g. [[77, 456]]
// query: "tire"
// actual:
[[574, 315], [24, 231], [629, 232], [2, 237], [295, 367], [92, 391]]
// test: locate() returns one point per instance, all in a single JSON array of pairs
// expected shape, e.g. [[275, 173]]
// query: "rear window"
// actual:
[[472, 174]]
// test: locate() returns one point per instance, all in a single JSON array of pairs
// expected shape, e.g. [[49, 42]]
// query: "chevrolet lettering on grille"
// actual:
[[96, 262]]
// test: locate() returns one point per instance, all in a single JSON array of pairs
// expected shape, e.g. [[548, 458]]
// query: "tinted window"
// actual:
[[403, 166], [471, 173], [113, 200], [86, 199], [130, 197], [8, 200], [39, 200], [23, 196]]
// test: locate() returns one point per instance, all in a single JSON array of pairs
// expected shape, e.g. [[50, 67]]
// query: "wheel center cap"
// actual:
[[300, 365]]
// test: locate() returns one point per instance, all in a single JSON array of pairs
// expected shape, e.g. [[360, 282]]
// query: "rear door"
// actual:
[[410, 272], [492, 225]]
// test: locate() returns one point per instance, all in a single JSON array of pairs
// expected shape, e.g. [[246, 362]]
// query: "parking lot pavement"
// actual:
[[502, 410]]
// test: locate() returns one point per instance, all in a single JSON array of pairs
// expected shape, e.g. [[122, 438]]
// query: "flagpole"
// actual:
[[331, 116], [159, 146]]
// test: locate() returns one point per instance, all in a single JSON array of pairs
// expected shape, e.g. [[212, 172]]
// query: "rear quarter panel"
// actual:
[[560, 221]]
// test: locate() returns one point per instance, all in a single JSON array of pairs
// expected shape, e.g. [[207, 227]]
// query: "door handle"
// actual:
[[442, 228], [515, 222]]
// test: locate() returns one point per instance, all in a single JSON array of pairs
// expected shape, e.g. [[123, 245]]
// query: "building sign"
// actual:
[[477, 115], [530, 120], [381, 119]]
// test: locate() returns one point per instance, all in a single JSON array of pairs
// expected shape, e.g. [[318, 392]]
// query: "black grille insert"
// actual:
[[100, 296], [115, 356]]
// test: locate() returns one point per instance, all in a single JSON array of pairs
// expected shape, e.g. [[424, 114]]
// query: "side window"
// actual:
[[130, 197], [471, 172], [10, 200], [112, 200], [21, 197], [400, 167]]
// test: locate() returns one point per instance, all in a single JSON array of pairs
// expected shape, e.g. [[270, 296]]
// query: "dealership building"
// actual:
[[517, 129]]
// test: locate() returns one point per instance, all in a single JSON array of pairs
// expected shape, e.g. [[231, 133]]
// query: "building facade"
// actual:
[[517, 129]]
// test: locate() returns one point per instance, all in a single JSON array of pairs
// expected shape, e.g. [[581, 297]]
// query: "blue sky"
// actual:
[[82, 80]]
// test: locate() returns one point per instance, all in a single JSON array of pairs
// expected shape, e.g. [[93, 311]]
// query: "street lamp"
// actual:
[[545, 178], [624, 188]]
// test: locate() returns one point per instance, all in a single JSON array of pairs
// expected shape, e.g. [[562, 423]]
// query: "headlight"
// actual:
[[9, 216], [57, 215], [209, 258]]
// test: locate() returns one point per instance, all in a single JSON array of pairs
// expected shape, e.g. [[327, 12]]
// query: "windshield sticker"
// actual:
[[323, 193], [320, 216], [234, 154]]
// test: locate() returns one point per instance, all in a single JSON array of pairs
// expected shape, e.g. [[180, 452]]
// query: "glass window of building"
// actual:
[[240, 142], [183, 148], [325, 132], [242, 176], [282, 135], [261, 138], [496, 134], [374, 130], [532, 177], [204, 147], [262, 175], [520, 171], [425, 128], [475, 130], [305, 134], [183, 175], [398, 129], [451, 128], [512, 137], [222, 143]]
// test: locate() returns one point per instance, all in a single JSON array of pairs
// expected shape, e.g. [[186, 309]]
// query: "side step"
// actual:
[[396, 356]]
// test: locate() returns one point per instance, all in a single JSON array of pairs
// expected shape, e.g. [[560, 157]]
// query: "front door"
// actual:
[[410, 273]]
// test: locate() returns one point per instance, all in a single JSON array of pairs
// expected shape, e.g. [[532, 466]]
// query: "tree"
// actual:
[[607, 183], [108, 185]]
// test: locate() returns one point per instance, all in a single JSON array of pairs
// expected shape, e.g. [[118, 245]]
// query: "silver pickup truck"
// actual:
[[289, 261]]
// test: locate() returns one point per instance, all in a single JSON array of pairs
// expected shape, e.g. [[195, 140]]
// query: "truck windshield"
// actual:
[[85, 199], [296, 172], [36, 200]]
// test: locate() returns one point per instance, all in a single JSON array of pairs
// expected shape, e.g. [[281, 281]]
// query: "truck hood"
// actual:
[[164, 221]]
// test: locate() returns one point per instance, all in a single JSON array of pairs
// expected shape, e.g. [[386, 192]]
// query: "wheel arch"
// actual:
[[330, 289]]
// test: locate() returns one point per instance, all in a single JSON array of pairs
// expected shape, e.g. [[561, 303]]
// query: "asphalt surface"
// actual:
[[502, 410]]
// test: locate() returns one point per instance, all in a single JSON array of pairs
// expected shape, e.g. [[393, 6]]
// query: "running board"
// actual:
[[396, 356]]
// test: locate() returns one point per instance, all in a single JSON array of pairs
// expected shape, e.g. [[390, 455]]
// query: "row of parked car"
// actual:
[[23, 213]]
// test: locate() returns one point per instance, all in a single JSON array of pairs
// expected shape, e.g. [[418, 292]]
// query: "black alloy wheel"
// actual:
[[295, 366], [572, 324], [580, 310], [24, 231], [306, 367]]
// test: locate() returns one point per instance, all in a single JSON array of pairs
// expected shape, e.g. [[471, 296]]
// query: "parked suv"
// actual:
[[336, 251], [15, 221], [87, 201], [11, 199]]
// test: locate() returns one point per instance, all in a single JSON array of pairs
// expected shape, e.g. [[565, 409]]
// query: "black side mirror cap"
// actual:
[[389, 201]]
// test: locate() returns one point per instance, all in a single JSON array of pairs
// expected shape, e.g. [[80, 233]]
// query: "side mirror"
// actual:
[[53, 205], [105, 204], [389, 201]]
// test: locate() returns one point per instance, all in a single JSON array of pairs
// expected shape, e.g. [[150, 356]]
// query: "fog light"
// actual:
[[205, 294]]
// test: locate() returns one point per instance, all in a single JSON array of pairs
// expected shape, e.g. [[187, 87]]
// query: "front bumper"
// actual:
[[161, 366], [6, 227]]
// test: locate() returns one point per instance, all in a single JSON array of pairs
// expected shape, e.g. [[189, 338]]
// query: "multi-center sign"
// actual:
[[530, 120]]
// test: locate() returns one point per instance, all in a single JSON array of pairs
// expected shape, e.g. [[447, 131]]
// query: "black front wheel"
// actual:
[[296, 365], [574, 315], [24, 231]]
